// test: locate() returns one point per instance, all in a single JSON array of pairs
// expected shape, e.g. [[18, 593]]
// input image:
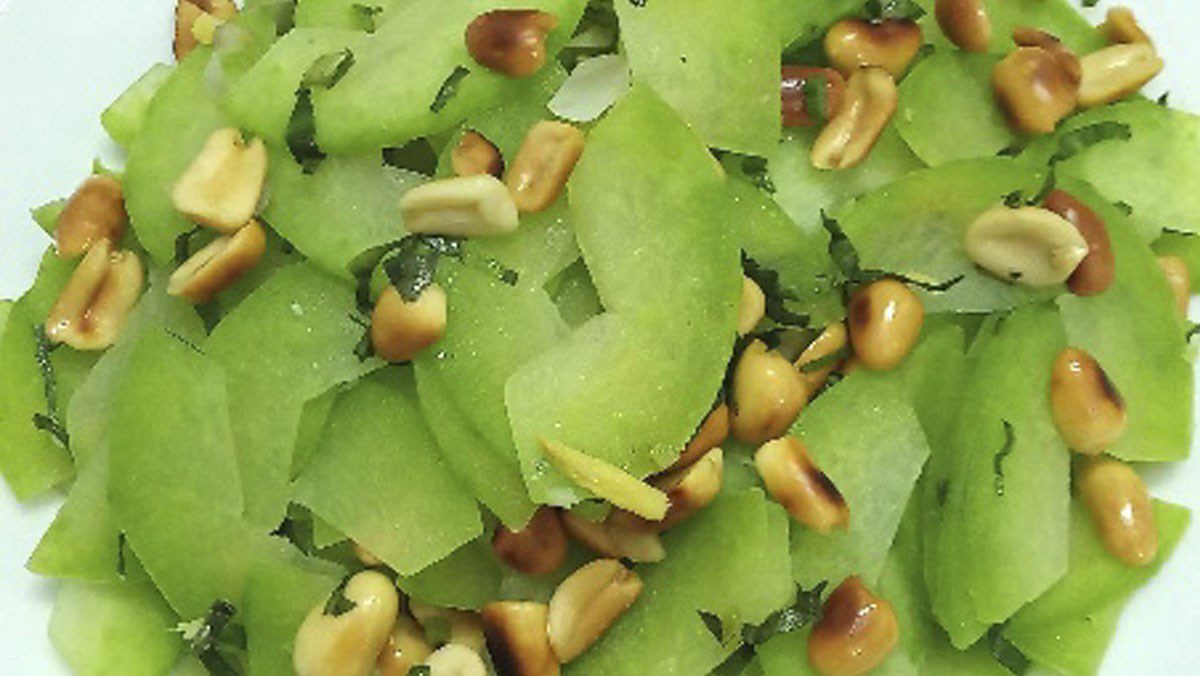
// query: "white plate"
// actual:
[[63, 61]]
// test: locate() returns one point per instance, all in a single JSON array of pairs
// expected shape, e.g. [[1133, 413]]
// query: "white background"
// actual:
[[63, 61]]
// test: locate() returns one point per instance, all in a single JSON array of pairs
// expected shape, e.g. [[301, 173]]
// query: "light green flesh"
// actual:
[[1134, 332], [729, 560], [800, 22], [858, 427], [82, 542], [46, 216], [378, 478], [469, 578], [122, 628], [798, 254], [1184, 245], [296, 328], [651, 231], [123, 119], [313, 419], [1028, 521], [340, 13], [1068, 628], [576, 296], [941, 128], [371, 107], [178, 122], [804, 191], [245, 39], [1157, 163], [716, 63], [346, 207], [916, 227], [278, 597]]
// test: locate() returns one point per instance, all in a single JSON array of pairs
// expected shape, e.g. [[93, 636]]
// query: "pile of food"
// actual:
[[618, 337]]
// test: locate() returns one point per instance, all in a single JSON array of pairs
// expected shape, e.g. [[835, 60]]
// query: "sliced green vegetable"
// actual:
[[123, 119], [1069, 627], [575, 296], [361, 15], [1134, 331], [801, 22], [469, 578], [378, 477], [1058, 17], [1185, 245], [288, 342], [716, 63], [278, 597]]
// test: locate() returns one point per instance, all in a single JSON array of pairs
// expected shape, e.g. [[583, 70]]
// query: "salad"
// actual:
[[622, 337]]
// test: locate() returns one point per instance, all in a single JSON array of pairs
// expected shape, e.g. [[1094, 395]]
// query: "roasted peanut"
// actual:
[[1121, 27], [768, 394], [884, 320], [401, 329], [468, 206], [856, 632], [218, 265], [93, 306], [752, 307], [446, 625], [1088, 411], [455, 660], [189, 12], [587, 603], [713, 431], [1179, 278], [690, 490], [348, 644], [870, 102], [831, 341], [891, 44], [1025, 36], [538, 548], [1027, 245], [1116, 72], [405, 648], [616, 538], [1095, 273], [965, 23], [795, 481], [510, 41], [607, 481], [95, 211], [222, 186], [795, 98], [1120, 507], [475, 155], [1035, 88], [543, 164], [517, 639]]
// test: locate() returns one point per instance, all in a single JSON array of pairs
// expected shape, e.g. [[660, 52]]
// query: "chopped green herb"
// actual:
[[416, 156], [638, 3], [285, 17], [805, 609], [998, 459], [816, 98], [204, 634], [301, 135], [1192, 332], [121, 566], [828, 360], [364, 349], [338, 604], [1005, 652], [943, 492], [421, 670], [905, 10], [1089, 3], [1078, 140], [776, 294], [755, 169], [1126, 208], [183, 244], [49, 421], [714, 625], [1165, 99], [448, 89], [368, 16], [328, 69]]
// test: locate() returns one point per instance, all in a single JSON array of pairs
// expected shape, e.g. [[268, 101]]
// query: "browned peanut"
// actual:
[[93, 306], [189, 12], [965, 23], [95, 211], [1121, 27], [475, 155], [795, 481], [690, 490], [1117, 72], [510, 41], [752, 307], [400, 329], [768, 394], [713, 431], [222, 186], [1120, 507], [856, 632], [453, 659], [847, 140], [1035, 89], [517, 639], [1028, 245], [891, 44], [1088, 411], [405, 648], [538, 548], [218, 265], [1096, 272], [620, 536], [466, 627], [1179, 278], [831, 341], [795, 99], [1025, 36], [348, 644], [543, 164], [587, 603], [884, 321]]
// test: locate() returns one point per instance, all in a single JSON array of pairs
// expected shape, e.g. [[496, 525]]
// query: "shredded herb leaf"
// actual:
[[121, 541], [420, 670], [338, 604], [328, 70], [638, 3], [805, 609], [831, 359], [776, 294], [1005, 652], [998, 459], [203, 637], [1192, 332], [1078, 140], [904, 10], [301, 134], [285, 17], [183, 245], [448, 89], [416, 155], [49, 421], [755, 169], [816, 99]]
